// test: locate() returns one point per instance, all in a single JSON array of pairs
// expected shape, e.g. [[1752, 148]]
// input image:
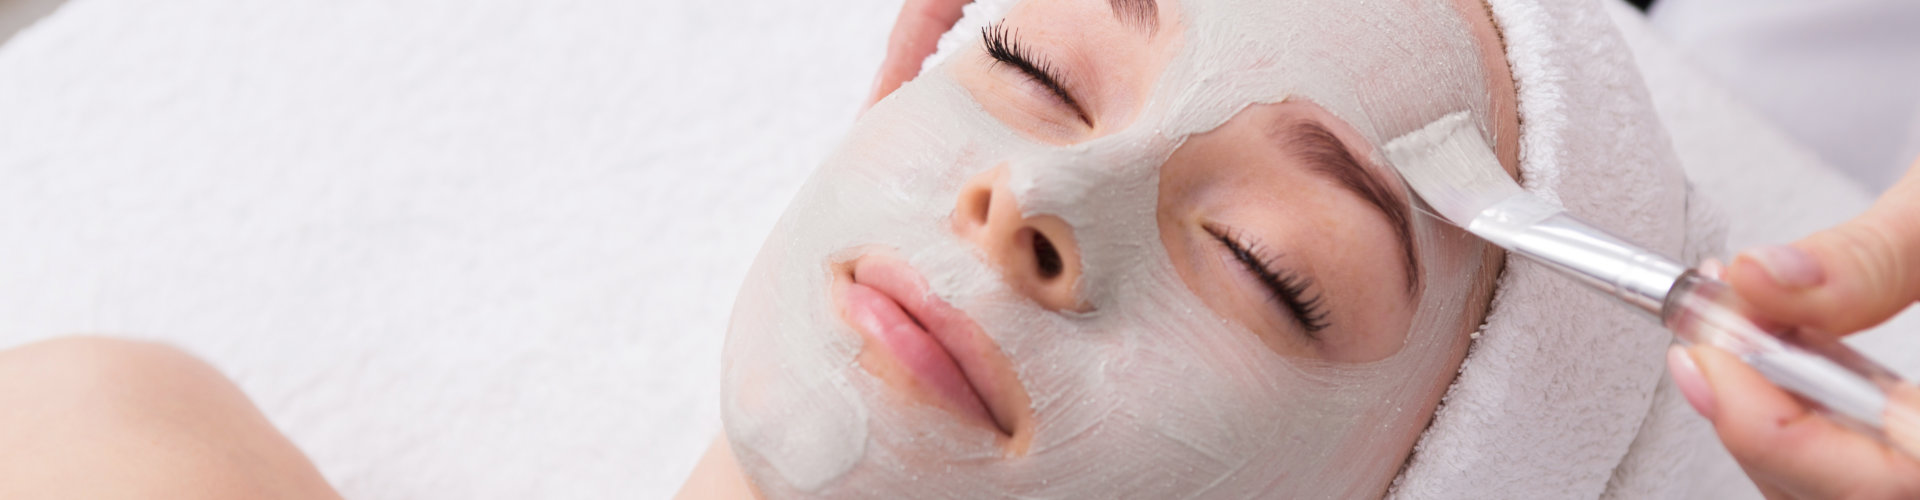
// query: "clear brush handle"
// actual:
[[1845, 386]]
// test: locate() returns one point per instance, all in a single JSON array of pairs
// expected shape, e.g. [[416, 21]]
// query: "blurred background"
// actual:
[[487, 249], [1840, 76]]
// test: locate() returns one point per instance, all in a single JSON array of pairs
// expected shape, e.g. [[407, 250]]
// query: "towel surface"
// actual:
[[486, 248], [1563, 385], [453, 249]]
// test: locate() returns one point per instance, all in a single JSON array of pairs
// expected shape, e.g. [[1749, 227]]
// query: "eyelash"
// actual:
[[1287, 288], [1004, 47]]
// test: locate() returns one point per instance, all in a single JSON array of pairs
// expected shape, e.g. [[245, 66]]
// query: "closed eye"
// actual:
[[1290, 290], [1004, 47]]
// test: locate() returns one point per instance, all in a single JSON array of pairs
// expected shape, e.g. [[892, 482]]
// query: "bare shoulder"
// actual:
[[90, 417], [717, 476]]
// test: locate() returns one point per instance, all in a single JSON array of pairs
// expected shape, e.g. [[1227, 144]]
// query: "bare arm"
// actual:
[[103, 418], [717, 476]]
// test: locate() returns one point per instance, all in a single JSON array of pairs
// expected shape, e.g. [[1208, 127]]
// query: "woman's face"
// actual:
[[1124, 249]]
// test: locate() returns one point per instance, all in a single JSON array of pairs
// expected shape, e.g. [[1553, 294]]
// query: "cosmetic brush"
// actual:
[[1452, 171]]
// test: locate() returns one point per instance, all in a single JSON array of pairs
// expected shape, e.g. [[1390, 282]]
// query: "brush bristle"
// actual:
[[1450, 167]]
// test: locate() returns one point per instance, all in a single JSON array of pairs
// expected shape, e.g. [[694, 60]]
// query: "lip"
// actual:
[[943, 354]]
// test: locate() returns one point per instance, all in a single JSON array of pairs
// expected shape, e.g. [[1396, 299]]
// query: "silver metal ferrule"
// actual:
[[1528, 226]]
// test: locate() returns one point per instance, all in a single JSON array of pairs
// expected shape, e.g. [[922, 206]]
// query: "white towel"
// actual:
[[454, 249], [1565, 395]]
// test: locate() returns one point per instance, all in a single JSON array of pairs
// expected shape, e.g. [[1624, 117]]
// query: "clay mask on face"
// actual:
[[1149, 394]]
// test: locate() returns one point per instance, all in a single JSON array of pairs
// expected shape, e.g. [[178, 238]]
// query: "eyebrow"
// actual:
[[1144, 14], [1329, 157]]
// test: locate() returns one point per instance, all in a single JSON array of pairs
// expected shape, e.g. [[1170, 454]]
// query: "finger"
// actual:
[[1846, 278], [916, 33], [1791, 449], [1693, 386]]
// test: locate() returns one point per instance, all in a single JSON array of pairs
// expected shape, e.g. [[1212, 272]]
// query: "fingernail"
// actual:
[[1712, 268], [1788, 266], [1693, 386], [873, 90]]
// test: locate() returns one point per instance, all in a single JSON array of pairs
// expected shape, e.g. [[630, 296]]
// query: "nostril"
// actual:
[[1046, 257], [1041, 259]]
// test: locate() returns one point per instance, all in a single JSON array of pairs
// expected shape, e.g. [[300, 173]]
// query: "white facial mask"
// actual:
[[1151, 395]]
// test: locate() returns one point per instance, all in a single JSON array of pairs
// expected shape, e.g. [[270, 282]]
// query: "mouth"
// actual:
[[920, 344]]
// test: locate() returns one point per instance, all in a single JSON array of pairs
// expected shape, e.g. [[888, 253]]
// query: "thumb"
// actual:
[[1843, 279]]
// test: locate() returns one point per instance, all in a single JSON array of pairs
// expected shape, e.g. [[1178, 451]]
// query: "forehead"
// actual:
[[1386, 67]]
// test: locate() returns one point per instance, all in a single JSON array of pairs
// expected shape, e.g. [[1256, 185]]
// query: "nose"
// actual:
[[1037, 256]]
